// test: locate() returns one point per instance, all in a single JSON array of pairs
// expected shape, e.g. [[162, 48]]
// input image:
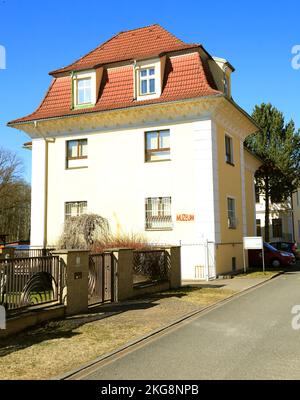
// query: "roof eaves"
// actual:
[[18, 122]]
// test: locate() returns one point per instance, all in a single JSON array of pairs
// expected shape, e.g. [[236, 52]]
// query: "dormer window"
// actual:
[[84, 91], [85, 86], [147, 81]]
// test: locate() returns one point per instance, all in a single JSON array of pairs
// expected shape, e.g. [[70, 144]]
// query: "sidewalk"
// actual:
[[58, 347]]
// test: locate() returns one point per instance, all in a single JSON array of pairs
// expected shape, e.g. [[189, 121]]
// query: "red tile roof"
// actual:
[[135, 44], [186, 76]]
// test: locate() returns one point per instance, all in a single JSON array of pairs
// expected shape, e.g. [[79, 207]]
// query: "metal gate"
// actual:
[[101, 283]]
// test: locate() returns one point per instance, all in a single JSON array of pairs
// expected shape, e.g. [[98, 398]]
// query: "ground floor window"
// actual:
[[277, 227], [75, 209], [158, 213], [258, 227]]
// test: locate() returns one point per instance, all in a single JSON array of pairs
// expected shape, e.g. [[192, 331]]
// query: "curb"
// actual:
[[160, 330]]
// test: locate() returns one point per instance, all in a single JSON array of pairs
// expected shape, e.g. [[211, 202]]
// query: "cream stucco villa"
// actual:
[[143, 131]]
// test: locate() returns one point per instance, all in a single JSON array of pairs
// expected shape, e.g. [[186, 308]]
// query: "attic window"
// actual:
[[147, 81], [84, 91]]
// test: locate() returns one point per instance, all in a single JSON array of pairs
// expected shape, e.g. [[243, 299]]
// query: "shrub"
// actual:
[[83, 231]]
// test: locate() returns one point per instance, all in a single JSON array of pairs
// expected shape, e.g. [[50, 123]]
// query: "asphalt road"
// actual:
[[249, 337]]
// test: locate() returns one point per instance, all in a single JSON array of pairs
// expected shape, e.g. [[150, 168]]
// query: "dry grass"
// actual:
[[60, 346], [259, 274], [126, 240], [203, 296]]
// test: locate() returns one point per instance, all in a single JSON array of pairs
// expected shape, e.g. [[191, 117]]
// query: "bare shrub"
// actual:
[[83, 232], [135, 241]]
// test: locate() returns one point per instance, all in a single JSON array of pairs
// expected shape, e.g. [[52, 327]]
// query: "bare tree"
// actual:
[[14, 198], [10, 171]]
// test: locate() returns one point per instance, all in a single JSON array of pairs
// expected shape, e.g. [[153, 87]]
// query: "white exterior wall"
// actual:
[[118, 180], [38, 182]]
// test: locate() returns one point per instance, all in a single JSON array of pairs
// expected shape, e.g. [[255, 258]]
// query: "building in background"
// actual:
[[281, 220]]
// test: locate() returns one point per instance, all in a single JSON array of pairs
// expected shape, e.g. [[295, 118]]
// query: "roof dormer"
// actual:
[[85, 88], [148, 79], [223, 70]]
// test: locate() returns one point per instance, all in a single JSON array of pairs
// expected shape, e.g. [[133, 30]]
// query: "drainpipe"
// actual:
[[45, 186], [293, 219], [135, 80], [72, 90]]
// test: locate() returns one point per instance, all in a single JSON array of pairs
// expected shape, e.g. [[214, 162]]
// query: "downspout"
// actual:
[[45, 187], [293, 219], [72, 90], [135, 80]]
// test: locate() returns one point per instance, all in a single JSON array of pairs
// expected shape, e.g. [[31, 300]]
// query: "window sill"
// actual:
[[70, 168], [80, 106], [230, 163], [155, 161], [158, 229]]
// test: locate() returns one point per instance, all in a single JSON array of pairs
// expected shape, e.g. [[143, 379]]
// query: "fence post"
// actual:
[[76, 264], [124, 275], [175, 270]]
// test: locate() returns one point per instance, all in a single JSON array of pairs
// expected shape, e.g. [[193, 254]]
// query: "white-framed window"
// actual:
[[84, 85], [76, 153], [231, 213], [228, 149], [157, 145], [75, 208], [158, 213], [147, 81], [84, 91]]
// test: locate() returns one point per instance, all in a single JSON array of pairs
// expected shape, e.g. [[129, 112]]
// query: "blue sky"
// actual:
[[256, 38]]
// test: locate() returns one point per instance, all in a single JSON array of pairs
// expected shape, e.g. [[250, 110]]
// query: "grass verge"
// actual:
[[258, 273], [57, 347]]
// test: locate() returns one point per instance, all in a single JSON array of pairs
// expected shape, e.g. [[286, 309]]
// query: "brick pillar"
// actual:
[[124, 275], [76, 263], [175, 272]]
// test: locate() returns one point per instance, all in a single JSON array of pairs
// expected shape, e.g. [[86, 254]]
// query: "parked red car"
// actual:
[[273, 257]]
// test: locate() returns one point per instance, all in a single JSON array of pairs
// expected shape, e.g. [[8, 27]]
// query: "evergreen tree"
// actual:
[[278, 145]]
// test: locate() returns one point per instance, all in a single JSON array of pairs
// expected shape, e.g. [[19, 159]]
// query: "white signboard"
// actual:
[[253, 243]]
